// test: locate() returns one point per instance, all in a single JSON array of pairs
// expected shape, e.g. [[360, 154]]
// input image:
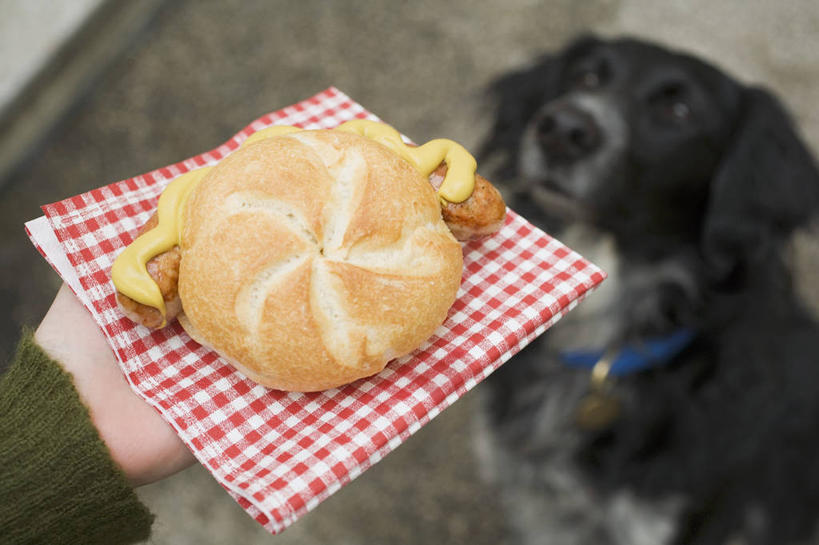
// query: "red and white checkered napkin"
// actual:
[[280, 454]]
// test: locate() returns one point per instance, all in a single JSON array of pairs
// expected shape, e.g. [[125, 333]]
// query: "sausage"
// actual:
[[164, 269], [481, 215]]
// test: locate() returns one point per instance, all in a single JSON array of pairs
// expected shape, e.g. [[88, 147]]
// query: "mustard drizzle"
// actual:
[[459, 181], [129, 271]]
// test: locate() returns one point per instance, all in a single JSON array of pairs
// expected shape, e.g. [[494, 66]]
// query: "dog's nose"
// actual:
[[566, 132]]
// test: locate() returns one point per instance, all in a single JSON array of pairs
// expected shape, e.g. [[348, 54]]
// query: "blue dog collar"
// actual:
[[636, 357]]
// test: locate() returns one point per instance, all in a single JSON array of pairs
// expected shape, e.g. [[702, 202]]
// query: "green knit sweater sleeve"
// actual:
[[58, 483]]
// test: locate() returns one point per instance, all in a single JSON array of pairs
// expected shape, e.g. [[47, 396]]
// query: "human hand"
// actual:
[[140, 441]]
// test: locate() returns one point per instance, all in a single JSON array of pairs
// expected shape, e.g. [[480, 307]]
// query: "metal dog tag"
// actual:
[[599, 408], [597, 411]]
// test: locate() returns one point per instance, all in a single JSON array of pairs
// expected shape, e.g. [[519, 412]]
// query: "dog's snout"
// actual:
[[566, 132]]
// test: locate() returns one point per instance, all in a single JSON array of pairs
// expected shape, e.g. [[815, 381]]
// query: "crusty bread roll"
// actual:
[[312, 259]]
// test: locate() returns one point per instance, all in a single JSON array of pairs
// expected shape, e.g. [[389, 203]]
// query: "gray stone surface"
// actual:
[[204, 69], [31, 33]]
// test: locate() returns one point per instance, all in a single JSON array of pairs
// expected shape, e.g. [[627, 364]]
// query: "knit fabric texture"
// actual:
[[58, 484]]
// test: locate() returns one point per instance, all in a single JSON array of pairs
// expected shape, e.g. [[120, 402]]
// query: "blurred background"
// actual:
[[94, 91]]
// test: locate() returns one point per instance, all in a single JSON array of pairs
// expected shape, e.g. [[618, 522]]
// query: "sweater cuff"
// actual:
[[58, 483]]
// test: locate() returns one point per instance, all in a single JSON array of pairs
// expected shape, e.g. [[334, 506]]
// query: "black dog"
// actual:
[[686, 186]]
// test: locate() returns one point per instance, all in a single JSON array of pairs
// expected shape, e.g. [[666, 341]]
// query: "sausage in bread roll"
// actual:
[[309, 259]]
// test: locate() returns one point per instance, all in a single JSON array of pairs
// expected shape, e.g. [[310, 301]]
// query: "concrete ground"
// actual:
[[200, 70]]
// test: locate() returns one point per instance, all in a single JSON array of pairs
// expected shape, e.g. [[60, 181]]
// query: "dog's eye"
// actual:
[[680, 110], [590, 76], [671, 103], [589, 79]]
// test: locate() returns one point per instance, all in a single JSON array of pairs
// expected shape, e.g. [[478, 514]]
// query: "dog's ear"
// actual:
[[766, 186], [518, 95]]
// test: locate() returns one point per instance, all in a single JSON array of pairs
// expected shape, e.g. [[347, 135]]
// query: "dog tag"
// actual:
[[599, 408], [597, 411]]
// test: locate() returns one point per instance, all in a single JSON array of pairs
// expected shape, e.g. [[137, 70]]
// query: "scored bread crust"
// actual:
[[312, 259]]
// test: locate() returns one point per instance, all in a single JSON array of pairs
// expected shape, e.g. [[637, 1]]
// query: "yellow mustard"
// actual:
[[270, 132], [129, 272], [459, 181]]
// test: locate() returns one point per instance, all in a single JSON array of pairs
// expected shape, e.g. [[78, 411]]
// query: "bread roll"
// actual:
[[312, 259]]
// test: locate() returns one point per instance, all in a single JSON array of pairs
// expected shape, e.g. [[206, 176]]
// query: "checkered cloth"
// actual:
[[280, 454]]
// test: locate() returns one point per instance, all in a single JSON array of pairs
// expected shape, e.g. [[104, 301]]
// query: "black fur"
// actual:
[[709, 175]]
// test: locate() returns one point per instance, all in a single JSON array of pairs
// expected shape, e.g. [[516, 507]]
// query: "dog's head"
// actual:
[[658, 147]]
